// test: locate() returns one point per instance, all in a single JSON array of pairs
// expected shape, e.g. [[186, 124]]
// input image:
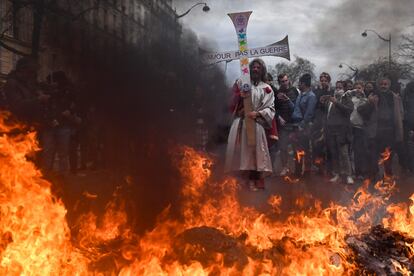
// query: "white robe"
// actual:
[[241, 156]]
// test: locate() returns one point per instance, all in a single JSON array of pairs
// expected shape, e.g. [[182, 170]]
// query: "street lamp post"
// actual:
[[206, 8], [364, 34], [353, 69]]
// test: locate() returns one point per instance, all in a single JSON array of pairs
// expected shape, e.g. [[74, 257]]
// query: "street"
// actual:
[[93, 190]]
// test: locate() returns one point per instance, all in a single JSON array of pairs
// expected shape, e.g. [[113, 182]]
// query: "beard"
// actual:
[[255, 76]]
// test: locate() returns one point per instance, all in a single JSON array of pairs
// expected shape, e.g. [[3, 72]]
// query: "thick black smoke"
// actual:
[[338, 32], [147, 105]]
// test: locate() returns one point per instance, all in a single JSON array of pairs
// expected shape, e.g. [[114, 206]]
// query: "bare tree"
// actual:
[[381, 68], [406, 50], [295, 69]]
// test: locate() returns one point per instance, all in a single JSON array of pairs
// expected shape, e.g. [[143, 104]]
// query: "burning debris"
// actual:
[[203, 244], [210, 247], [383, 252], [379, 251], [214, 235]]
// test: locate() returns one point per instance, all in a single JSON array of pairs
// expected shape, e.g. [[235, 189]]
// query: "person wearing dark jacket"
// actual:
[[338, 130], [369, 88], [285, 97], [61, 117], [384, 115], [408, 102], [23, 95], [320, 155]]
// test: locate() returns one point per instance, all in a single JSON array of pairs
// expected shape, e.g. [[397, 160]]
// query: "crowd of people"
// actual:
[[65, 125], [346, 131], [349, 131]]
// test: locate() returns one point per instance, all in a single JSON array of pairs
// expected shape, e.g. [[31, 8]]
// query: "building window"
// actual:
[[1, 61], [2, 14], [123, 28], [145, 18], [105, 19], [131, 8], [7, 61], [114, 24], [25, 25], [15, 58], [94, 14], [123, 7]]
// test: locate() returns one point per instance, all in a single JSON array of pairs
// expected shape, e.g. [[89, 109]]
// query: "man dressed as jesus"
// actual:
[[240, 156]]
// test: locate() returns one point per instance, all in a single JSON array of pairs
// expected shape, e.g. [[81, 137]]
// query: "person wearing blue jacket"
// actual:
[[302, 117]]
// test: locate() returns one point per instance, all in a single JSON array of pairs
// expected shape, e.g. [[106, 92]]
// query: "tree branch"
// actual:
[[77, 16], [7, 14]]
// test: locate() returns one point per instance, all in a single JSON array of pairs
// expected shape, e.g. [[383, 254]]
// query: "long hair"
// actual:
[[325, 75], [263, 65]]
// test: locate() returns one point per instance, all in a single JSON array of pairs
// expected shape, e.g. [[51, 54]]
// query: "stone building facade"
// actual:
[[74, 33]]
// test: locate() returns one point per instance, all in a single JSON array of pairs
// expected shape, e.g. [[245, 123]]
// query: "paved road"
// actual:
[[93, 190], [316, 187]]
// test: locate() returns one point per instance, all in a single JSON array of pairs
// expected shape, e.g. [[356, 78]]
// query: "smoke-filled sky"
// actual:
[[325, 32]]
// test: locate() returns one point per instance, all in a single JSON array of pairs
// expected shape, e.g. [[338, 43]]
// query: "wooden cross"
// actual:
[[240, 21]]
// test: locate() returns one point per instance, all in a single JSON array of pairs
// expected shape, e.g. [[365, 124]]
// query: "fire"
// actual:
[[275, 201], [401, 218], [215, 234], [35, 235], [299, 155], [385, 156], [291, 180], [318, 161]]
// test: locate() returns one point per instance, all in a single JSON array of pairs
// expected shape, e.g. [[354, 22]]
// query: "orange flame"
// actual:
[[35, 237], [275, 201], [318, 161], [291, 180], [386, 155], [401, 218], [299, 155]]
